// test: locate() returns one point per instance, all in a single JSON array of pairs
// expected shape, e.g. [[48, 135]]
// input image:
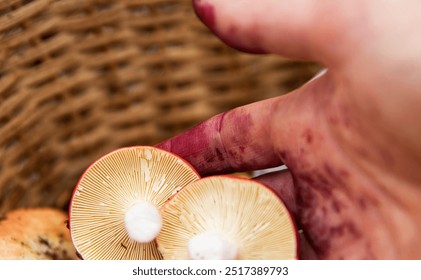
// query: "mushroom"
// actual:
[[115, 213], [225, 218], [35, 234]]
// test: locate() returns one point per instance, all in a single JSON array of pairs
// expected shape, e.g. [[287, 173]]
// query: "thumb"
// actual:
[[304, 29], [256, 136]]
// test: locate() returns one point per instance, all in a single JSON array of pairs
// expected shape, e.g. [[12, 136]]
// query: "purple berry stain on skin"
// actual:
[[205, 12], [232, 36], [324, 201], [247, 40]]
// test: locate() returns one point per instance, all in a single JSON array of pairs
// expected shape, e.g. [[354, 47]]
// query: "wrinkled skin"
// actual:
[[351, 137]]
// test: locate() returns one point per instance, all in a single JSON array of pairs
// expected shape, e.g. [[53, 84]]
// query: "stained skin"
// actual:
[[343, 211], [350, 137]]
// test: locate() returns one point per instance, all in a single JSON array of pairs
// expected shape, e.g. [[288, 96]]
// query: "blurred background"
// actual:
[[79, 79]]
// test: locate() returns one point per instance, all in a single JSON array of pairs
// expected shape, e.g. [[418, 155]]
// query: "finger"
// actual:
[[235, 141], [282, 183], [252, 137], [306, 29]]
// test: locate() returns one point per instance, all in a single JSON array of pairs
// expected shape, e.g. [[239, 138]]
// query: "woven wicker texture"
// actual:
[[81, 78]]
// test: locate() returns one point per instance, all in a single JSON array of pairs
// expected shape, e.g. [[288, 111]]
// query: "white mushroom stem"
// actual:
[[143, 221], [212, 246]]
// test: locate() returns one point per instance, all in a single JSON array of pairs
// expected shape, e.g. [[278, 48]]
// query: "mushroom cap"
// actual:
[[243, 212], [114, 184], [35, 234]]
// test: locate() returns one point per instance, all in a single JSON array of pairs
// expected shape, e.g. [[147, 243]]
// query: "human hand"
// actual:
[[351, 137]]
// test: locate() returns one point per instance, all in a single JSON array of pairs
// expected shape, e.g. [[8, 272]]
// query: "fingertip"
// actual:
[[248, 43], [244, 40], [292, 29], [205, 12], [201, 147], [164, 145]]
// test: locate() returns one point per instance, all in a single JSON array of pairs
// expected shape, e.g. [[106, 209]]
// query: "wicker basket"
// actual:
[[81, 78]]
